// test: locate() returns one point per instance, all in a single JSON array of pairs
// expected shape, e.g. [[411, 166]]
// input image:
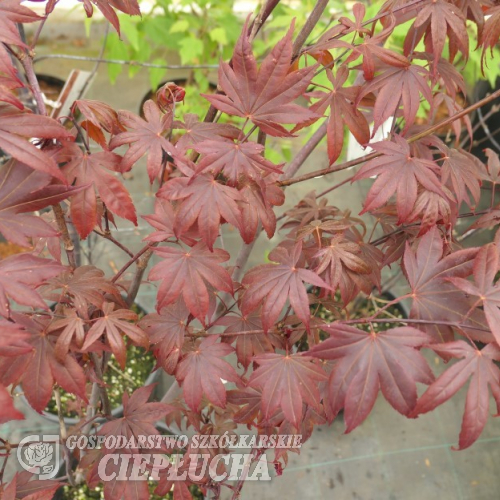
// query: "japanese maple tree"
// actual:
[[249, 345]]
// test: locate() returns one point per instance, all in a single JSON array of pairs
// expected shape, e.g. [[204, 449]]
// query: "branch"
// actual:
[[303, 154], [124, 62], [142, 263], [413, 321], [428, 131], [306, 30], [69, 247], [115, 241], [130, 262]]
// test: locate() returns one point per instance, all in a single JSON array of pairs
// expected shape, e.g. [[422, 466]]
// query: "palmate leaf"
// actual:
[[342, 111], [23, 190], [38, 369], [486, 266], [20, 275], [434, 298], [114, 324], [197, 131], [145, 136], [166, 332], [23, 486], [205, 201], [17, 127], [73, 328], [7, 410], [400, 173], [271, 285], [93, 172], [435, 20], [12, 12], [82, 286], [250, 345], [259, 196], [163, 220], [287, 381], [388, 361], [188, 272], [264, 95], [491, 32], [395, 87], [337, 260], [480, 366], [201, 371], [235, 160]]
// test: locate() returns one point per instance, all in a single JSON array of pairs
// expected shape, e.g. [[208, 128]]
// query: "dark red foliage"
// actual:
[[303, 333]]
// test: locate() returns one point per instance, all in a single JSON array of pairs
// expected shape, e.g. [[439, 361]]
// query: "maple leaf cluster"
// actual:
[[285, 345]]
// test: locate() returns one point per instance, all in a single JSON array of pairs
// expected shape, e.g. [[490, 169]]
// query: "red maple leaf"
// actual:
[[82, 286], [461, 174], [20, 275], [273, 284], [259, 196], [287, 381], [12, 12], [234, 159], [342, 111], [83, 168], [486, 266], [8, 412], [250, 345], [16, 127], [145, 137], [23, 487], [166, 332], [491, 32], [388, 361], [434, 297], [264, 95], [73, 328], [204, 200], [113, 324], [341, 265], [197, 131], [164, 221], [395, 87], [398, 172], [38, 369], [478, 365], [22, 190], [188, 273], [201, 371], [435, 20]]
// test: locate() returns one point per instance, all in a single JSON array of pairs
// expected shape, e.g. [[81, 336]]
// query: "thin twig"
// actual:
[[142, 264], [124, 62], [303, 154], [309, 25], [130, 262], [114, 241], [69, 247]]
